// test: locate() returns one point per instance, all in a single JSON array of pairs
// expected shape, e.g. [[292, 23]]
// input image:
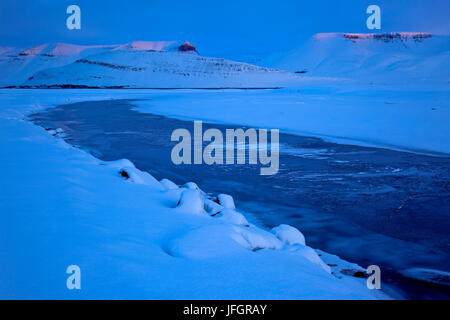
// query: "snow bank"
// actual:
[[127, 170], [256, 239], [191, 201], [288, 234], [169, 185], [226, 201], [233, 217], [212, 207], [310, 255], [205, 243]]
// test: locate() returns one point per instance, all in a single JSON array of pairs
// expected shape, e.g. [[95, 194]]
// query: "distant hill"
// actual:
[[138, 64], [398, 57]]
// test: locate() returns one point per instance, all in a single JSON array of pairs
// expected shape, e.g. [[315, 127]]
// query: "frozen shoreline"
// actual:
[[61, 206], [410, 121], [412, 118]]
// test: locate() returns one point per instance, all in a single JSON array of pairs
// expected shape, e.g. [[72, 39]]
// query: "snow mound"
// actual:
[[220, 240], [256, 239], [226, 201], [310, 255], [212, 207], [167, 184], [205, 242], [191, 185], [192, 202], [127, 170], [141, 177], [119, 164], [232, 216], [288, 234], [171, 198]]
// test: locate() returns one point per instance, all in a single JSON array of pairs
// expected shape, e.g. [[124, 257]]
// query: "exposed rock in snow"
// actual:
[[389, 37], [212, 207], [341, 268], [127, 170], [187, 47], [288, 234], [141, 177]]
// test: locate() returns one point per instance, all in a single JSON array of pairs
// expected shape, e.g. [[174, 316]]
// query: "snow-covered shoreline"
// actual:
[[136, 237]]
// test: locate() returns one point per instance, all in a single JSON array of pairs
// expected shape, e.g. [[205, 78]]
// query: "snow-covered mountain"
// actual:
[[17, 65], [139, 64], [389, 56], [383, 58]]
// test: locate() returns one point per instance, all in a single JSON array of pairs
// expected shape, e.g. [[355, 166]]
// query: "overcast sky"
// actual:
[[221, 28]]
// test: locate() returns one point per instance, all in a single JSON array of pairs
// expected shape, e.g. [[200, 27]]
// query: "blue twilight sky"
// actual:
[[222, 28]]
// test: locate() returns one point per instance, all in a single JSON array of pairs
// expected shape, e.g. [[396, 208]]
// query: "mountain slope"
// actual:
[[17, 65], [138, 64], [393, 57], [158, 69]]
